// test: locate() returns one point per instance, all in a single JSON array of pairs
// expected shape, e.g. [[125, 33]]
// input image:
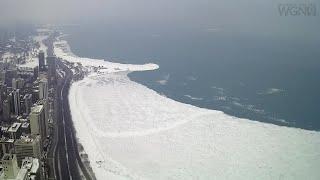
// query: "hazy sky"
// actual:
[[248, 15], [122, 10]]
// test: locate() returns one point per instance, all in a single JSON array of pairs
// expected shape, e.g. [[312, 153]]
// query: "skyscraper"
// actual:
[[17, 83], [10, 74], [16, 101], [6, 145], [43, 89], [41, 61], [6, 110], [51, 61], [38, 122], [45, 104], [3, 76], [10, 98], [14, 83], [27, 102]]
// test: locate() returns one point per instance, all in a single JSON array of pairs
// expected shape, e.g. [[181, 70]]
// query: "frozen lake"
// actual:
[[131, 132]]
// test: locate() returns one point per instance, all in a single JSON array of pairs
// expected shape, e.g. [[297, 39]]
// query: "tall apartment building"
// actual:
[[43, 89], [6, 110], [51, 61], [45, 104], [38, 122], [16, 101], [41, 58], [27, 103]]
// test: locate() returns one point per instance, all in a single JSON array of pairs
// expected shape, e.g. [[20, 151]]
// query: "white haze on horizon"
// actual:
[[249, 16]]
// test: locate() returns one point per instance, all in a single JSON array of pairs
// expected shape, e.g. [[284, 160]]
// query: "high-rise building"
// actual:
[[3, 90], [38, 122], [41, 61], [30, 168], [10, 98], [43, 89], [14, 130], [27, 146], [6, 145], [17, 83], [43, 75], [25, 128], [51, 61], [10, 74], [14, 83], [3, 76], [45, 104], [3, 94], [35, 72], [27, 103], [16, 101], [6, 110]]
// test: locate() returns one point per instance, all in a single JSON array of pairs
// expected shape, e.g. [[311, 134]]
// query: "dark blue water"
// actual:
[[263, 78]]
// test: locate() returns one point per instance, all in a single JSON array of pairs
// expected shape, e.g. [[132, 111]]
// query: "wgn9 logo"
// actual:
[[305, 9]]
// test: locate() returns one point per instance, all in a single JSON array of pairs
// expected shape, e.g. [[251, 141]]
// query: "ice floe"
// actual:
[[271, 91]]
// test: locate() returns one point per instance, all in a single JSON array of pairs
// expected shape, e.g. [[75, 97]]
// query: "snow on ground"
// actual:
[[42, 47], [32, 61], [131, 132], [7, 57], [64, 53]]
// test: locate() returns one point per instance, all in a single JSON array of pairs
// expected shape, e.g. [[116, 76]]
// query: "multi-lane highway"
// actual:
[[63, 155], [66, 159], [65, 163]]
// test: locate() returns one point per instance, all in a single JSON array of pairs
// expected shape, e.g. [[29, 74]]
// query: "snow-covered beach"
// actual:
[[131, 132]]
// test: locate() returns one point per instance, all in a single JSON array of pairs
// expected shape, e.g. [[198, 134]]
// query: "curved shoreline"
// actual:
[[225, 143]]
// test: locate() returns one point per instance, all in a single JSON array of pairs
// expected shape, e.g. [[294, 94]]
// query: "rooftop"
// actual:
[[6, 140], [26, 139], [4, 128], [14, 127], [37, 109], [25, 125], [7, 157], [31, 164], [21, 174], [27, 96]]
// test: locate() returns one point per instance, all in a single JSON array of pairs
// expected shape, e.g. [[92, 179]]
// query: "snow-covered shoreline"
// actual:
[[131, 132], [32, 60]]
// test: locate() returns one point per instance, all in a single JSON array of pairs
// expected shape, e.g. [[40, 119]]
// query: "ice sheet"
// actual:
[[131, 132]]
